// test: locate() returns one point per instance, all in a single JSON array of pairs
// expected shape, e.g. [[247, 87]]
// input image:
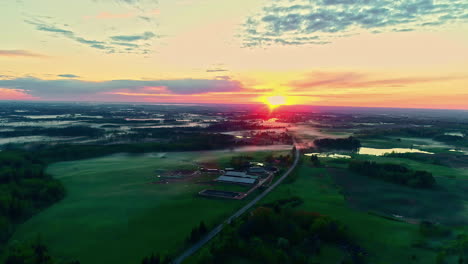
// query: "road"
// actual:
[[195, 247]]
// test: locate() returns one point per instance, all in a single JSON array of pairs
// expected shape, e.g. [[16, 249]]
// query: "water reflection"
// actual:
[[328, 155], [459, 151], [381, 152], [367, 151], [456, 134]]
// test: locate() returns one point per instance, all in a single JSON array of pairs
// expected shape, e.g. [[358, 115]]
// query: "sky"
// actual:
[[370, 53]]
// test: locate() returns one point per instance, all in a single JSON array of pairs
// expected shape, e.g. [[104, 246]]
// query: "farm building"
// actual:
[[209, 170], [222, 194], [239, 174], [256, 170], [239, 180]]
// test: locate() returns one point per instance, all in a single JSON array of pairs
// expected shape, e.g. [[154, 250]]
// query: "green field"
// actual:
[[113, 214], [387, 241]]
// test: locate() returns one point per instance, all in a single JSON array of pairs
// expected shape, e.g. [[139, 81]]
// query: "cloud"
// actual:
[[144, 36], [145, 18], [14, 94], [134, 2], [68, 75], [131, 45], [41, 26], [298, 22], [223, 77], [317, 80], [20, 53], [216, 70], [69, 88], [145, 15], [117, 44], [107, 15]]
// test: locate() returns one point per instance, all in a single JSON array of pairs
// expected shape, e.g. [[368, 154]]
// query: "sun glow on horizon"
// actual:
[[275, 101]]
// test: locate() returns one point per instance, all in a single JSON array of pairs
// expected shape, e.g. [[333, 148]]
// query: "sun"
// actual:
[[275, 101]]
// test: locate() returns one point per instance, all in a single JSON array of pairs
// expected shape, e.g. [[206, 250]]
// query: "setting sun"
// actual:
[[275, 101]]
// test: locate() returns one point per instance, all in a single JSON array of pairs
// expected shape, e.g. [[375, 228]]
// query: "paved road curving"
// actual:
[[195, 247]]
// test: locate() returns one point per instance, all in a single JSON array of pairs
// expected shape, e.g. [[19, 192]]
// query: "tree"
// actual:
[[269, 158], [153, 259], [315, 161], [202, 229]]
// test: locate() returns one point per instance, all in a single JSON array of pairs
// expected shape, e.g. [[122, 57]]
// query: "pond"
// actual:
[[456, 134], [381, 152], [328, 155], [459, 151], [29, 139]]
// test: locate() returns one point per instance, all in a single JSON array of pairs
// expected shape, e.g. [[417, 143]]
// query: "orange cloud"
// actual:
[[386, 99], [361, 80]]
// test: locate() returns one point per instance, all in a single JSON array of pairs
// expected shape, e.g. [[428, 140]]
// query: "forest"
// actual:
[[349, 143], [71, 131], [178, 142], [35, 252], [393, 173], [435, 133], [238, 125], [25, 189], [281, 235]]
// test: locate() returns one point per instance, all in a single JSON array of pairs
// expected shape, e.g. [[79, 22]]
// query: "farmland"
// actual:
[[384, 218], [111, 206]]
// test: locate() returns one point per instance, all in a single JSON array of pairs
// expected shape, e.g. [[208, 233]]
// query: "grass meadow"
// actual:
[[113, 214], [387, 241]]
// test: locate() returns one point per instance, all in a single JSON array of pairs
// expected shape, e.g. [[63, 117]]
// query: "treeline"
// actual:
[[32, 253], [287, 202], [451, 139], [156, 259], [281, 236], [242, 162], [349, 143], [197, 233], [393, 173], [421, 157], [238, 125], [425, 132], [455, 249], [71, 131], [267, 138], [436, 133], [281, 160], [184, 142], [25, 189]]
